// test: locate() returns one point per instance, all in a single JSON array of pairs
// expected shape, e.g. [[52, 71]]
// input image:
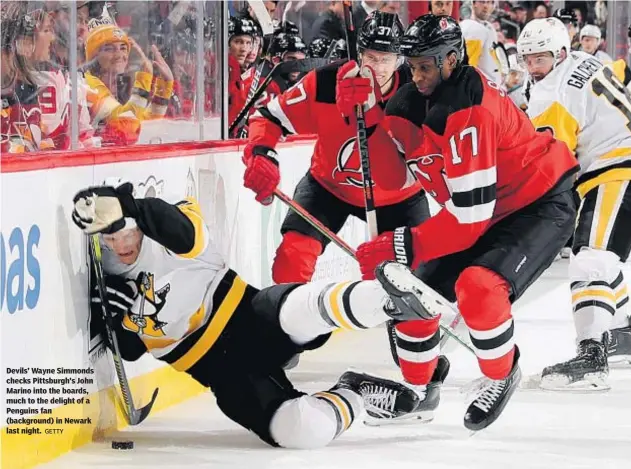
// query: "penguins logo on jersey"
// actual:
[[144, 320], [348, 167]]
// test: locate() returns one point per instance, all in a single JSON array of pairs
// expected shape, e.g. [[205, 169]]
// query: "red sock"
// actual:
[[418, 349], [484, 302]]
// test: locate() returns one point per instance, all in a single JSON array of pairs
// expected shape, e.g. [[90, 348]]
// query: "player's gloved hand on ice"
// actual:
[[121, 293], [101, 209], [357, 86], [390, 246], [262, 174]]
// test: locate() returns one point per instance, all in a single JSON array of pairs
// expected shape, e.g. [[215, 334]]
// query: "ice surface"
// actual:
[[537, 430]]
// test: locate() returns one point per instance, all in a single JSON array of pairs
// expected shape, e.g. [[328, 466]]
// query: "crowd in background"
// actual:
[[137, 60]]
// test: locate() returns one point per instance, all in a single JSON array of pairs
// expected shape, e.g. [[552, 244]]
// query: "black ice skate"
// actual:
[[587, 371], [491, 398], [619, 346], [411, 297], [389, 401]]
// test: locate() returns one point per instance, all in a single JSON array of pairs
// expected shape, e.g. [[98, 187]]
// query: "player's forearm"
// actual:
[[162, 222], [263, 131]]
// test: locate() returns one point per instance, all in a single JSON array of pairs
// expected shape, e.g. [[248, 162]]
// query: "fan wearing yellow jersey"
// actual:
[[585, 105]]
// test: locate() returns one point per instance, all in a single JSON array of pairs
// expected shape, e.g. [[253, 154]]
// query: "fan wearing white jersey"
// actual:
[[585, 105], [171, 294], [481, 40]]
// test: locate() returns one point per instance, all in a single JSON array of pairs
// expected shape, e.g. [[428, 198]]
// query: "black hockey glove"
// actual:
[[102, 209], [120, 293]]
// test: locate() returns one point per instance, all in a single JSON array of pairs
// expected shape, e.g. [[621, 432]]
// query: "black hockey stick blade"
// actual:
[[138, 415]]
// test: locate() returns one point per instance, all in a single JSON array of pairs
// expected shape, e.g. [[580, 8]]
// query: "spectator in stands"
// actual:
[[519, 15], [391, 7], [441, 7], [180, 55], [541, 11], [591, 38], [117, 107], [61, 15], [330, 23], [362, 9]]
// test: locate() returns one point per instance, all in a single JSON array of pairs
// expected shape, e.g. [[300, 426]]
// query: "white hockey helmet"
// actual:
[[590, 30], [543, 35]]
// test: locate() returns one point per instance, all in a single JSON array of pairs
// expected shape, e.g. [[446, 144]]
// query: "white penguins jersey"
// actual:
[[586, 105], [188, 293], [481, 40]]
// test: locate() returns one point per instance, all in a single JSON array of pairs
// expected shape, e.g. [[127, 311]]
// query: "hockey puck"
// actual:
[[122, 445]]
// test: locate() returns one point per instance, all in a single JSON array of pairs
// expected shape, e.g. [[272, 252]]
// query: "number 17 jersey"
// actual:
[[586, 106]]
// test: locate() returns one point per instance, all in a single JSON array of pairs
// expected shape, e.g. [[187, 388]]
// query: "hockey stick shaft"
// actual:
[[362, 135], [335, 239], [252, 91], [134, 416], [314, 222]]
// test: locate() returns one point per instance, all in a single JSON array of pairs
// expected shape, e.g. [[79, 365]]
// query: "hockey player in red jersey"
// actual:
[[284, 47], [507, 208], [241, 32], [322, 103]]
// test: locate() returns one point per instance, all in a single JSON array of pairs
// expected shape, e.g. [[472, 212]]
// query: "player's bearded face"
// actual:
[[113, 57], [539, 65], [384, 64], [425, 74], [125, 244], [290, 56]]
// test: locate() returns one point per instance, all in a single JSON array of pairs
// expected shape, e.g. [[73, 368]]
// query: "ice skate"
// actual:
[[587, 371], [412, 298], [619, 347], [389, 402], [491, 398]]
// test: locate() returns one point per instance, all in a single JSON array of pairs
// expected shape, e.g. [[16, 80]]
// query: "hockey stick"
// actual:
[[362, 137], [314, 222], [251, 91], [301, 66], [335, 239], [133, 415]]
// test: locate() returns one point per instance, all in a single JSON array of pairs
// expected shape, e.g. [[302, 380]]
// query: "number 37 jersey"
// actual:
[[586, 106]]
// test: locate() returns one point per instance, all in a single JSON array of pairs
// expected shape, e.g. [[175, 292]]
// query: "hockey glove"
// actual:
[[390, 246], [357, 86], [101, 209], [262, 174], [120, 293]]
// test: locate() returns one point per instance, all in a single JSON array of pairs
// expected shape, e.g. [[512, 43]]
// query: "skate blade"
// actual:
[[592, 382], [414, 419]]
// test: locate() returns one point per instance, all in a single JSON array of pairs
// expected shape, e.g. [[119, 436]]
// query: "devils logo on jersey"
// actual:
[[430, 171], [348, 171]]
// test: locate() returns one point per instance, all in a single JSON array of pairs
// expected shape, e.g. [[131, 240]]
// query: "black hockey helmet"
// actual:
[[288, 27], [433, 36], [338, 50], [381, 31], [318, 48], [283, 43], [242, 26], [566, 16]]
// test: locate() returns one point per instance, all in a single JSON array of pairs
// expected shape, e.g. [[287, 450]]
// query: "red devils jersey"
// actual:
[[309, 108], [21, 120], [275, 88], [478, 155]]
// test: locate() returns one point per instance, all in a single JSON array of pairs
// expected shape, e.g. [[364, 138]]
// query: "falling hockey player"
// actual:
[[507, 208], [586, 105], [200, 317]]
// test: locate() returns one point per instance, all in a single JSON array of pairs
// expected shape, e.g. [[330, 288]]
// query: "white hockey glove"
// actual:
[[99, 209]]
